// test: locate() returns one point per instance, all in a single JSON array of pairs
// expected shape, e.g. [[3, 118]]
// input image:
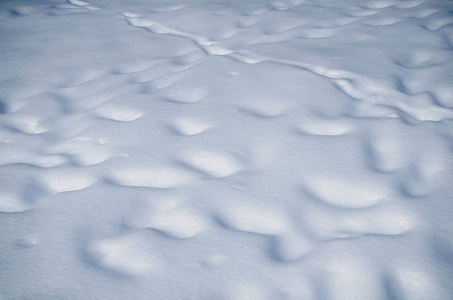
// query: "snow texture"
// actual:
[[201, 149]]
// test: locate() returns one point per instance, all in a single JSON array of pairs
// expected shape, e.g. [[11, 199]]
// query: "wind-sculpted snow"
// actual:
[[288, 149]]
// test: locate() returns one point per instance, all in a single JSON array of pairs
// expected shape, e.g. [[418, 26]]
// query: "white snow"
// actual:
[[240, 149]]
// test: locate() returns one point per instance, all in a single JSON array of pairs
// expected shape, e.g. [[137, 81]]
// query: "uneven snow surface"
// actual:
[[288, 149]]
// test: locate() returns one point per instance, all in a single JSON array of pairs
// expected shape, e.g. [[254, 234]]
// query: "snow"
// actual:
[[292, 149]]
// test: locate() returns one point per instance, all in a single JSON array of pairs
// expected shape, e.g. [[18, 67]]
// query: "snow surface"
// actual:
[[288, 149]]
